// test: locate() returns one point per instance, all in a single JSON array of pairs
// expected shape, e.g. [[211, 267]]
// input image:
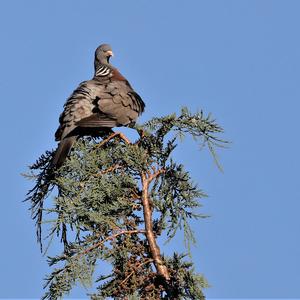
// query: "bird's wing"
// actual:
[[77, 107], [120, 102], [100, 103], [98, 120]]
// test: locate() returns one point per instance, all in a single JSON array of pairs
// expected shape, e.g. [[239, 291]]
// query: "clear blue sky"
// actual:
[[237, 59]]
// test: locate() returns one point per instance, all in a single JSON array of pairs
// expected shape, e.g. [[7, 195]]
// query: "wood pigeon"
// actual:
[[97, 105]]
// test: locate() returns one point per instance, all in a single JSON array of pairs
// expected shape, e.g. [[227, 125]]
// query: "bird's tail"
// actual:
[[63, 151]]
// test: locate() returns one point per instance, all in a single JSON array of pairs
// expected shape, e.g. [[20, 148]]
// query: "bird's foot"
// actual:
[[141, 133]]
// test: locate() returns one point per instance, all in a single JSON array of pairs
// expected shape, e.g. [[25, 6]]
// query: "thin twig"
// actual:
[[115, 134], [155, 174], [110, 169], [131, 273], [99, 244]]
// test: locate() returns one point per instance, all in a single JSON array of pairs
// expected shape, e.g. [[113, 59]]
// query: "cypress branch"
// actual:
[[114, 199]]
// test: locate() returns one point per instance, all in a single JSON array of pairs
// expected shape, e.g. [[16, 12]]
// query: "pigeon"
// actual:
[[97, 105]]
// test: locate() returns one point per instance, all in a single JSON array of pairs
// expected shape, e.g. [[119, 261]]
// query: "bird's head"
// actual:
[[102, 54]]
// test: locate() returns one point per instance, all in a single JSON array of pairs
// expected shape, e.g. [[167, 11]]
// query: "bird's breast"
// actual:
[[116, 75]]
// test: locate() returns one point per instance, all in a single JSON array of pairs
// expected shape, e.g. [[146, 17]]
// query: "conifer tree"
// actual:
[[113, 198]]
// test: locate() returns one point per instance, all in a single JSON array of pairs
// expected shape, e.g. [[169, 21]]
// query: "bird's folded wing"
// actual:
[[98, 120]]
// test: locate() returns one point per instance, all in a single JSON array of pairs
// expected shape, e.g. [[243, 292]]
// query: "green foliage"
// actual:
[[98, 211]]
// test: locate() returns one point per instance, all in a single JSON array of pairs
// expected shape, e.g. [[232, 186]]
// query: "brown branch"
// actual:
[[155, 174], [136, 194], [115, 134], [110, 169], [140, 265], [99, 244], [155, 251]]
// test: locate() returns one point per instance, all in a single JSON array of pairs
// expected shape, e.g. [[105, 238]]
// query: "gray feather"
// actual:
[[106, 101], [62, 151]]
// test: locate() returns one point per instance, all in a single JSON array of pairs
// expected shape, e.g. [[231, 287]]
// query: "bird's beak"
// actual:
[[109, 53]]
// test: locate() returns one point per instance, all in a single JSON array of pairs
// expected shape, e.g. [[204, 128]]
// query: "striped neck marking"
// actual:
[[103, 71]]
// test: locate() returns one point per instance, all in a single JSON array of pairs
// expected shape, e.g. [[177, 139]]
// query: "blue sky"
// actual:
[[237, 59]]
